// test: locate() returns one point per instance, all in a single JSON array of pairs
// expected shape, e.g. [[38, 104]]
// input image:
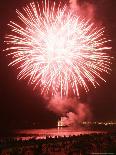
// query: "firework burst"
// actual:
[[56, 50]]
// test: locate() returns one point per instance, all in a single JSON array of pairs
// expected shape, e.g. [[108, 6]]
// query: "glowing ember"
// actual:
[[56, 50]]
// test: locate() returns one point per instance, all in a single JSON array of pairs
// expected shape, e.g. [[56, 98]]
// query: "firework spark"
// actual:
[[56, 50]]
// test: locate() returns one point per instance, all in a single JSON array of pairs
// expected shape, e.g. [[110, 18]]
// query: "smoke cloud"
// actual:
[[70, 109], [83, 8]]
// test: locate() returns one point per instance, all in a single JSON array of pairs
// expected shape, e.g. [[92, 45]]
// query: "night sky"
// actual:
[[20, 106]]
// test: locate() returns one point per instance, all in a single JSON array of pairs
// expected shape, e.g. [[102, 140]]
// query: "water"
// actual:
[[42, 133]]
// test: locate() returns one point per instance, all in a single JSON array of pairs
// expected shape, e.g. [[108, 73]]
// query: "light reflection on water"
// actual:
[[42, 133]]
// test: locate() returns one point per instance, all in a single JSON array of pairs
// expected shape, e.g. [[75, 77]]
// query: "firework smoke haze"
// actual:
[[83, 8], [56, 50], [72, 110], [73, 5]]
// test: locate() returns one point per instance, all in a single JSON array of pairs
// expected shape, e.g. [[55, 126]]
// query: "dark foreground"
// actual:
[[102, 143]]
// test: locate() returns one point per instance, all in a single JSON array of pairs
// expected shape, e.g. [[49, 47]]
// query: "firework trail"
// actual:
[[56, 50]]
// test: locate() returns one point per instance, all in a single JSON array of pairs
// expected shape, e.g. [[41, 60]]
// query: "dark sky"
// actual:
[[19, 105]]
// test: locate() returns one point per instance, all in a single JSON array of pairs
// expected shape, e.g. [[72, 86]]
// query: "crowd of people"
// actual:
[[72, 145]]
